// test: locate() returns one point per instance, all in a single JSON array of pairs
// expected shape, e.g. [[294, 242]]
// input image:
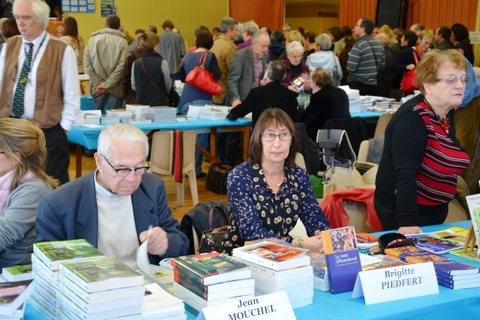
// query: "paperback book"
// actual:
[[99, 274], [450, 267], [13, 295], [220, 290], [458, 283], [438, 243], [18, 273], [342, 257], [159, 304], [401, 253], [210, 268], [51, 252], [273, 255]]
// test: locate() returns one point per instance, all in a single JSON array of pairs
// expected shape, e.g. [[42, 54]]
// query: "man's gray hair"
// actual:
[[40, 9], [227, 23], [120, 131]]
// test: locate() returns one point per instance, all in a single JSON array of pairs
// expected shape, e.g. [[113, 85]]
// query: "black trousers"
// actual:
[[365, 89], [58, 157]]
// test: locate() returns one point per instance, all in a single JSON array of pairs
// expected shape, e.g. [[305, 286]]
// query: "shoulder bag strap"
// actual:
[[201, 63], [148, 75], [374, 55]]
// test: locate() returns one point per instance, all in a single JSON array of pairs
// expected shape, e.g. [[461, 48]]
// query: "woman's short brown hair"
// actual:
[[427, 69], [272, 117], [148, 41], [321, 77]]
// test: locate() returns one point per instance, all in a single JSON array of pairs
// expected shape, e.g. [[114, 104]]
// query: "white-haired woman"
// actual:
[[295, 66], [325, 58]]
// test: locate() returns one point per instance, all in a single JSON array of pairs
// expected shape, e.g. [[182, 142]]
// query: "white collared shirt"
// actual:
[[70, 82]]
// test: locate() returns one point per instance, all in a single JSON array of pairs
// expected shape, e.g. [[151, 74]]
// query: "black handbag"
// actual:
[[217, 177], [212, 239]]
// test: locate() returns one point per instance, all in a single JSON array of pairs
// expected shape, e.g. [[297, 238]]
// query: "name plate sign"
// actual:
[[271, 306], [395, 283]]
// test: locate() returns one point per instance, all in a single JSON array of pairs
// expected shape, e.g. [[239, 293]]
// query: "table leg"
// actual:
[[78, 160], [213, 145]]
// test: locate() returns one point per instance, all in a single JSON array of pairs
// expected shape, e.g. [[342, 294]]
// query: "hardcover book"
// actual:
[[342, 257], [210, 268], [51, 252], [13, 295], [273, 255], [18, 273], [99, 274]]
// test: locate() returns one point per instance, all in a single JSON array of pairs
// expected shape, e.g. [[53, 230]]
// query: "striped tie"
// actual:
[[18, 98]]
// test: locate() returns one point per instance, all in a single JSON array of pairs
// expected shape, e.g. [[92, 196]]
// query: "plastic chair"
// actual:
[[382, 123], [161, 160]]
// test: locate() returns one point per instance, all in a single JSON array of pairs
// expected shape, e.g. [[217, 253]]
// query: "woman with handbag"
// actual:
[[405, 62], [268, 194], [192, 95], [150, 74]]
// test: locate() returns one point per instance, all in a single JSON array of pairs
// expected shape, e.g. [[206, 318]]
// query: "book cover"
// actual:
[[13, 295], [425, 258], [473, 202], [438, 243], [210, 268], [273, 255], [51, 252], [401, 253], [18, 273], [342, 257], [98, 274], [454, 268], [339, 240], [470, 255]]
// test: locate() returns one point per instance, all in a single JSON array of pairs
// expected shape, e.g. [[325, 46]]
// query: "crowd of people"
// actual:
[[260, 71]]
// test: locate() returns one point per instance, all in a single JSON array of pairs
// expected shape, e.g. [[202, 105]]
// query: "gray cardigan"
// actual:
[[17, 224]]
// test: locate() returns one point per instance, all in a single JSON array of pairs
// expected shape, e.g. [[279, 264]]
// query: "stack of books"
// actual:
[[99, 288], [451, 274], [211, 278], [12, 297], [45, 263], [279, 266], [342, 256], [161, 114], [122, 114]]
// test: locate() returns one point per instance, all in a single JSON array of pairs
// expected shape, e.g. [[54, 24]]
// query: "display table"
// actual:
[[448, 304], [87, 136]]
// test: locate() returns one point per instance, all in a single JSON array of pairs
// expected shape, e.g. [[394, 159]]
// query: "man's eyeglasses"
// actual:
[[270, 136], [453, 80], [123, 172]]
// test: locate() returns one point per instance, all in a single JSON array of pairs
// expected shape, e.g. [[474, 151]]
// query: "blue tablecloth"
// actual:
[[87, 136], [448, 304]]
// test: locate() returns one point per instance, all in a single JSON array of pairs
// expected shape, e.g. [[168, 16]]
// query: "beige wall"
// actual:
[[315, 24], [134, 14]]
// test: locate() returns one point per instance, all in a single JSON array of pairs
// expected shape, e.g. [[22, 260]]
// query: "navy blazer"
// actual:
[[70, 212]]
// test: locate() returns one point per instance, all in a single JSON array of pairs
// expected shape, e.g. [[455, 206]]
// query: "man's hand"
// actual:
[[409, 230], [157, 241]]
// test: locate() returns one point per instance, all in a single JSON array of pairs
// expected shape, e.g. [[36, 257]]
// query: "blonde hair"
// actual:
[[24, 142], [148, 41]]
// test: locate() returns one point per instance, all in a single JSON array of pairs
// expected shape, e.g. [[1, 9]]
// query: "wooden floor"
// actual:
[[88, 164]]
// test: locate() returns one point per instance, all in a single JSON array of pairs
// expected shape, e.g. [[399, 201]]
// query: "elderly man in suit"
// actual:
[[116, 207], [247, 68]]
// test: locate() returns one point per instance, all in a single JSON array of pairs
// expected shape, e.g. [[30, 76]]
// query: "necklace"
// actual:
[[269, 180]]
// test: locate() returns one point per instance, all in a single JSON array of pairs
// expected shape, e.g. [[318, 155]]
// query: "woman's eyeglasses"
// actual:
[[269, 136], [453, 80]]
